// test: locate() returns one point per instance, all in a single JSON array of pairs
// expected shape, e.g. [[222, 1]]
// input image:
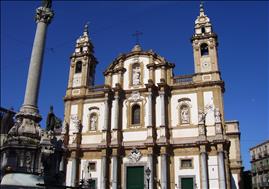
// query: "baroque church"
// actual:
[[146, 127]]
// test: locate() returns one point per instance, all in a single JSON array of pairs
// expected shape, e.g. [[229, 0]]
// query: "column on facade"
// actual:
[[161, 93], [164, 169], [114, 172], [204, 167], [221, 167], [106, 116], [149, 108], [116, 110], [163, 73], [150, 166], [74, 171], [103, 170]]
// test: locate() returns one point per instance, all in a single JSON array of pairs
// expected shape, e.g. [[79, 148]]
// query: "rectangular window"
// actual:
[[186, 164], [92, 166]]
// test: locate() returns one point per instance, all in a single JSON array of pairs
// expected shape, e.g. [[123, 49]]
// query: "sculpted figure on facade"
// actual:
[[217, 115], [184, 114], [201, 116], [77, 123], [93, 122], [135, 155], [136, 75]]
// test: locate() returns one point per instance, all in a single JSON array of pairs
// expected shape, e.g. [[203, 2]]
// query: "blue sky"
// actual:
[[167, 26]]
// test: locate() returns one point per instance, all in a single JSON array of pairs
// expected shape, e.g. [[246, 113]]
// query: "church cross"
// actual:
[[137, 34]]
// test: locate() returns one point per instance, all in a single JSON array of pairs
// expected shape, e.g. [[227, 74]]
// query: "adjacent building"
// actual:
[[146, 127], [260, 165]]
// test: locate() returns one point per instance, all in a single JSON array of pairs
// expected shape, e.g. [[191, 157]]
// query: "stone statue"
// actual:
[[52, 121], [184, 114], [136, 75], [201, 116], [77, 123], [93, 124], [217, 115], [46, 3], [28, 161], [64, 127]]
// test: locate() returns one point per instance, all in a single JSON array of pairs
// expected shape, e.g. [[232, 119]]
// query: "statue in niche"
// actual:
[[93, 122], [184, 114], [136, 75]]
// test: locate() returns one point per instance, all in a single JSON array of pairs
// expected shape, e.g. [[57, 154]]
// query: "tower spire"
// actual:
[[86, 29], [202, 12]]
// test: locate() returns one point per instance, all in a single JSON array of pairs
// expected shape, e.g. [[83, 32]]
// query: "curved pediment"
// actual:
[[118, 63]]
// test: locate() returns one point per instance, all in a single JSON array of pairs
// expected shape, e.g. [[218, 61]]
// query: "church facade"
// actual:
[[145, 127]]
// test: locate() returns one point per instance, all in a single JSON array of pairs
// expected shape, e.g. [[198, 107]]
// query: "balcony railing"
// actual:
[[183, 79]]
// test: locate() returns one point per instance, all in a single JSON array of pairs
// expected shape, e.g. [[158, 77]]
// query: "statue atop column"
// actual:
[[46, 3]]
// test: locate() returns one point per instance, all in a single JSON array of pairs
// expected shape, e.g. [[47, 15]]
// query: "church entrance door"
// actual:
[[135, 177], [187, 183]]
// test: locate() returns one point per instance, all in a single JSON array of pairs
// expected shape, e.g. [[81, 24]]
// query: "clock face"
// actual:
[[206, 66]]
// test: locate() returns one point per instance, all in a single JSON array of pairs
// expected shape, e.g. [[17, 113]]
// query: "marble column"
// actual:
[[43, 18], [115, 172], [204, 170], [162, 108], [221, 167], [106, 114], [150, 109], [150, 166], [74, 172], [163, 171], [116, 110], [103, 172]]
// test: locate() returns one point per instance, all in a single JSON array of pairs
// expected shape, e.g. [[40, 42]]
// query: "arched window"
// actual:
[[93, 122], [204, 49], [203, 29], [184, 114], [136, 73], [136, 114], [78, 67]]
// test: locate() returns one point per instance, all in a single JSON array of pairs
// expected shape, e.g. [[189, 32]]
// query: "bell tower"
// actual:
[[82, 67], [205, 43]]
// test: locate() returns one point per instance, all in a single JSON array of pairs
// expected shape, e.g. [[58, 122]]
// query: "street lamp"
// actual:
[[148, 171]]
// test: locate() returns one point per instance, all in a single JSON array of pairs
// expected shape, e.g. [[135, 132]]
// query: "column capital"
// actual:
[[220, 147], [44, 14], [164, 150], [202, 148], [150, 151], [104, 152]]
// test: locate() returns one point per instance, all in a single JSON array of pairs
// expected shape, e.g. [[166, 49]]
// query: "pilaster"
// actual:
[[164, 170]]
